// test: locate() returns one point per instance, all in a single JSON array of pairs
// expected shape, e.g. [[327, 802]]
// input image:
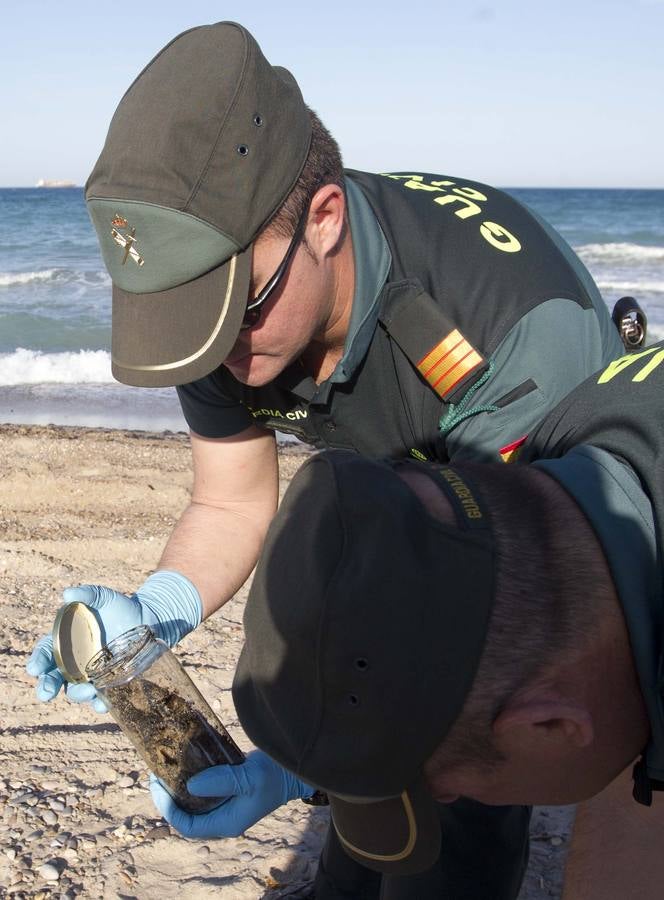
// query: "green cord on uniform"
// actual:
[[457, 412]]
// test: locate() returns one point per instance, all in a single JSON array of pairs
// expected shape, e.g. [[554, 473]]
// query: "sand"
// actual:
[[76, 819]]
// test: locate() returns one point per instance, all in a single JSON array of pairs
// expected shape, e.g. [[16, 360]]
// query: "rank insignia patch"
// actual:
[[449, 362]]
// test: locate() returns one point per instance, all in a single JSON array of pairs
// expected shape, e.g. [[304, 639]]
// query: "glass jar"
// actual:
[[161, 711]]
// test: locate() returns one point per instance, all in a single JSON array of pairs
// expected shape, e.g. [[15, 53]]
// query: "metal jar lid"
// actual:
[[76, 639]]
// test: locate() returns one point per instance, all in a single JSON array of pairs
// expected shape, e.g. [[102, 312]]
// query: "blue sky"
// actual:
[[567, 93]]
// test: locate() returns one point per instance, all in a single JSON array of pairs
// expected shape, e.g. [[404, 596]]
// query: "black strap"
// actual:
[[644, 785]]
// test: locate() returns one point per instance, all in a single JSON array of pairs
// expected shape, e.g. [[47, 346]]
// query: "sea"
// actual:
[[55, 297]]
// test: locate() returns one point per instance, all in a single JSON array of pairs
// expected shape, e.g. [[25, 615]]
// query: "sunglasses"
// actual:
[[253, 311]]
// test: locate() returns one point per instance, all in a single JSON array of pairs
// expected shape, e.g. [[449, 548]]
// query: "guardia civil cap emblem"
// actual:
[[125, 237]]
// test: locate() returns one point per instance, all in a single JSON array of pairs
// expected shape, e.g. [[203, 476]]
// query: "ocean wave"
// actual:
[[7, 279], [621, 252], [61, 276], [632, 287], [34, 367]]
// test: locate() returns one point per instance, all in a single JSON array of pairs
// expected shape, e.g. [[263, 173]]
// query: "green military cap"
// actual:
[[203, 149], [364, 626]]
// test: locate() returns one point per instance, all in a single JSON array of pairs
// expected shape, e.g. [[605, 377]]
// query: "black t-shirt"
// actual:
[[605, 444]]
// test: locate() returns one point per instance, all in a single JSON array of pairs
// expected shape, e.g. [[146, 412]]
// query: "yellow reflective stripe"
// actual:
[[615, 368], [449, 361], [469, 362], [434, 356]]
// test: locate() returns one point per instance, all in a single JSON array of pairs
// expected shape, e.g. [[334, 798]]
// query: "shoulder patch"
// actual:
[[413, 319]]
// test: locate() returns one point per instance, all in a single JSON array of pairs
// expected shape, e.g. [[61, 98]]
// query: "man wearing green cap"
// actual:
[[406, 314], [534, 677]]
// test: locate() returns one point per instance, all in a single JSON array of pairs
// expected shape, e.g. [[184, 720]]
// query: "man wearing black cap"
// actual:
[[409, 315], [480, 631]]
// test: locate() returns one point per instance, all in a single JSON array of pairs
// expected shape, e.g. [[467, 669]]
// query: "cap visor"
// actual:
[[179, 335], [397, 836]]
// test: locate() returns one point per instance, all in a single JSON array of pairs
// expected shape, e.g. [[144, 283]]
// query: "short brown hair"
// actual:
[[552, 583], [322, 166]]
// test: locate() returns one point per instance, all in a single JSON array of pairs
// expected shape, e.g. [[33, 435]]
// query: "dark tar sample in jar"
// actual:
[[161, 711]]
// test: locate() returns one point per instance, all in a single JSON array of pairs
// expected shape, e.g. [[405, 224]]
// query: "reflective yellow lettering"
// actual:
[[471, 209], [420, 180], [499, 237], [649, 367], [417, 183], [469, 192], [616, 367]]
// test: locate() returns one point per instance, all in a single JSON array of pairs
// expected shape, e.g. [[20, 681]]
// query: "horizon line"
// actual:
[[534, 187]]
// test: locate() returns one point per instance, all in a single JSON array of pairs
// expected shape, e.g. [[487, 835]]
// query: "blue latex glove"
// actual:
[[167, 602], [255, 788]]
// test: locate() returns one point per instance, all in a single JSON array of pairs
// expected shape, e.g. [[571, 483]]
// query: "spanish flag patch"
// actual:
[[510, 452], [449, 362]]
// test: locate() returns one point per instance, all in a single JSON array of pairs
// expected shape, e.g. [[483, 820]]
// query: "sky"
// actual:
[[534, 94]]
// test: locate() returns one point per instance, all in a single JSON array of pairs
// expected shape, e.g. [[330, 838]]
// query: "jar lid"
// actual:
[[76, 639]]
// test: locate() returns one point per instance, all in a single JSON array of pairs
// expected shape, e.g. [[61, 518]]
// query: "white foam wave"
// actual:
[[34, 367], [64, 276], [7, 279], [632, 287], [621, 252]]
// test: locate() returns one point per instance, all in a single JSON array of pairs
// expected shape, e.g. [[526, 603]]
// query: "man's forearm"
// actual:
[[216, 549]]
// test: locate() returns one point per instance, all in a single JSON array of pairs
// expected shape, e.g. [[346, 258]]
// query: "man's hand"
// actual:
[[167, 602], [255, 788]]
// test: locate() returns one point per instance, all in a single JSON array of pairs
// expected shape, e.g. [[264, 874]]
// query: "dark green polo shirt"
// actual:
[[605, 445], [534, 314]]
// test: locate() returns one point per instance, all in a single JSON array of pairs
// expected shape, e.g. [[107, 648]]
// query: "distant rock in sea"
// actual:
[[47, 183]]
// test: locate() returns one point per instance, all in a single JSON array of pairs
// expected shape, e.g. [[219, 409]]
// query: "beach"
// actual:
[[82, 505]]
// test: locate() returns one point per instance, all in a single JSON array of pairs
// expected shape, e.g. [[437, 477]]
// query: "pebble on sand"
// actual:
[[49, 872]]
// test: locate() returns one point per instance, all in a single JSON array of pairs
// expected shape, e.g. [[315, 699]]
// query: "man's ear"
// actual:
[[543, 718], [327, 212]]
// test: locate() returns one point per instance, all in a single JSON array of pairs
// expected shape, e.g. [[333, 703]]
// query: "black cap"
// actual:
[[203, 149], [364, 628]]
